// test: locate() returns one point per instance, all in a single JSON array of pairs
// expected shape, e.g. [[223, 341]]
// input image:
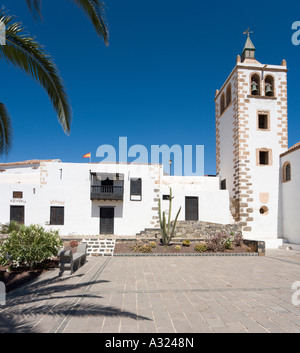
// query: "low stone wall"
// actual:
[[194, 229], [257, 246], [98, 247]]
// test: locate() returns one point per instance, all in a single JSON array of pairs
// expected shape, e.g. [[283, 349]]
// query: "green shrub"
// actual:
[[29, 246], [9, 227], [177, 247], [186, 242], [200, 247], [220, 242], [228, 243]]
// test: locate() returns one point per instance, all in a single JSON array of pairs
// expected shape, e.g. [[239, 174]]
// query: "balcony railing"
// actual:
[[107, 192]]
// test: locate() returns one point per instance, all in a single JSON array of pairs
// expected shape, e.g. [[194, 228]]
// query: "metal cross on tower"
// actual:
[[248, 32]]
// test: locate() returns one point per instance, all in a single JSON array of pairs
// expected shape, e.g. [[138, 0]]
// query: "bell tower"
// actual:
[[251, 133]]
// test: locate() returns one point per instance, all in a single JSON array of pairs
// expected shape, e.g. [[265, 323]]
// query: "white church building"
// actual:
[[257, 183]]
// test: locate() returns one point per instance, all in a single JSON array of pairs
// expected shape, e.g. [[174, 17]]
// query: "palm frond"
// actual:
[[95, 9], [35, 8], [26, 53], [5, 130]]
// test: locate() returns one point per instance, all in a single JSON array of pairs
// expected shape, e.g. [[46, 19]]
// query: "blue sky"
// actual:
[[156, 81]]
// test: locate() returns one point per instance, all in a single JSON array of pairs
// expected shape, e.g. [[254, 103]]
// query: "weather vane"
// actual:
[[248, 32]]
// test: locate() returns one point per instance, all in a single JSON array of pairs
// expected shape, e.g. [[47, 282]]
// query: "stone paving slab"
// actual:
[[161, 295]]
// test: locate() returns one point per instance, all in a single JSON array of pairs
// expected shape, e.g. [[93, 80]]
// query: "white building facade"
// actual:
[[257, 183], [92, 199]]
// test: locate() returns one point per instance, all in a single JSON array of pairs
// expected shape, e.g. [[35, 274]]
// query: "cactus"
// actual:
[[167, 229]]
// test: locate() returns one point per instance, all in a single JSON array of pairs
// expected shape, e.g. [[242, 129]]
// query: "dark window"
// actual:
[[107, 182], [223, 184], [17, 194], [264, 210], [17, 214], [222, 104], [263, 121], [107, 186], [57, 215], [136, 187], [228, 95], [264, 157], [191, 208], [288, 172]]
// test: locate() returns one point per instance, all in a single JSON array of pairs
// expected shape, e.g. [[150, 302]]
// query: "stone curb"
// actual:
[[187, 254]]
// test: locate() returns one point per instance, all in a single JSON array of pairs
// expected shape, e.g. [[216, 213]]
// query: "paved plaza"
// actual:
[[161, 295]]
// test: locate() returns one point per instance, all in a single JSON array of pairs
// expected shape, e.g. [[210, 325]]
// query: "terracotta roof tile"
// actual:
[[291, 149]]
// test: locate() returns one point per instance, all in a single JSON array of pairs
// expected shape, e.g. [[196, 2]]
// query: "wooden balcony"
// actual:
[[107, 192]]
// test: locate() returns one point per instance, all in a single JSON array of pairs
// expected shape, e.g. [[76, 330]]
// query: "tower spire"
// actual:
[[249, 48]]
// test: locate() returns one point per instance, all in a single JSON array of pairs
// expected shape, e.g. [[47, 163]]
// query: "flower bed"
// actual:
[[22, 275], [222, 242], [130, 247]]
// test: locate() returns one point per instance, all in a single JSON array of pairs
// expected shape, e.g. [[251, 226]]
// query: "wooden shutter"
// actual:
[[57, 215], [136, 189], [107, 220], [17, 194], [17, 214], [191, 208]]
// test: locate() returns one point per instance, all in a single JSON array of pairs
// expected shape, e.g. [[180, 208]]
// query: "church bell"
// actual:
[[269, 91], [254, 89]]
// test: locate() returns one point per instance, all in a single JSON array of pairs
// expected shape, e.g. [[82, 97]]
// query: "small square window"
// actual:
[[136, 189], [17, 194], [57, 215], [263, 122], [264, 157], [223, 184]]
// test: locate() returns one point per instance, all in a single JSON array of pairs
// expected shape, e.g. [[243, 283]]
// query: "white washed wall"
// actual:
[[291, 199], [213, 203], [72, 190], [68, 185], [265, 179]]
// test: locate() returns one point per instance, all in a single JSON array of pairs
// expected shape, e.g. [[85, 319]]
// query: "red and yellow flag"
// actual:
[[88, 155]]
